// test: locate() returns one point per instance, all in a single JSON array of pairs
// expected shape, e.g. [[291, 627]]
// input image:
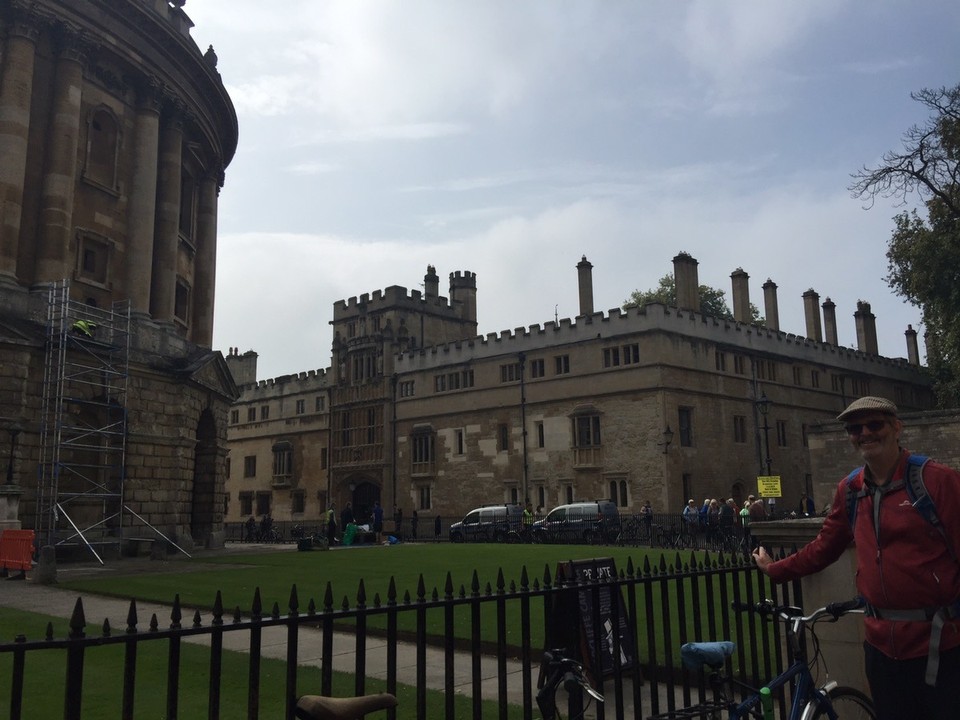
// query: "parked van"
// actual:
[[597, 521], [487, 523]]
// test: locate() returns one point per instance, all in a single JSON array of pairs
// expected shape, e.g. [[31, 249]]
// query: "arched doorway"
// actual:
[[364, 495], [202, 505]]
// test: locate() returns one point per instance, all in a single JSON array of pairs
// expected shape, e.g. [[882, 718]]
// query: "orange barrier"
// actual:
[[16, 550]]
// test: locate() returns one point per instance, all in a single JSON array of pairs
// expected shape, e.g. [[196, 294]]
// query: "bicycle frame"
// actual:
[[806, 697]]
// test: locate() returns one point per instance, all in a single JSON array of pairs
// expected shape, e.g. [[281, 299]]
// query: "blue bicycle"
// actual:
[[809, 701]]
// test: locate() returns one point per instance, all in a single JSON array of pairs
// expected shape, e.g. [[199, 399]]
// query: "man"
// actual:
[[377, 520], [906, 569], [526, 521]]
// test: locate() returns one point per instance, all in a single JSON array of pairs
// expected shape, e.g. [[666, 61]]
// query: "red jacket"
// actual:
[[909, 567]]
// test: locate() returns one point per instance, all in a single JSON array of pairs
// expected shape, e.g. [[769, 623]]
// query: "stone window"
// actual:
[[510, 372], [798, 376], [93, 258], [423, 493], [422, 451], [537, 368], [246, 504], [503, 437], [721, 361], [250, 466], [586, 431], [323, 458], [282, 461], [618, 492], [611, 357], [301, 407], [234, 417], [782, 433], [264, 412], [181, 302], [407, 388], [298, 502], [562, 364], [251, 414], [459, 444], [541, 438], [739, 428], [263, 503], [814, 378], [319, 404], [738, 366], [103, 142]]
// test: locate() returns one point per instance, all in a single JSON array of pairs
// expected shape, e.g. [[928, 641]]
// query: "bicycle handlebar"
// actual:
[[834, 610]]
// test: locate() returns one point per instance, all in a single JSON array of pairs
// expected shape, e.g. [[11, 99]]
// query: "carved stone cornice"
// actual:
[[73, 44], [150, 93]]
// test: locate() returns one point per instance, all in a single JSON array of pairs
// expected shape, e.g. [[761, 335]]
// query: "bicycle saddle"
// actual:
[[318, 707], [697, 654]]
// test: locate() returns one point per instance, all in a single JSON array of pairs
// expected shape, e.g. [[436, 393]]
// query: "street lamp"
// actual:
[[763, 406], [667, 439]]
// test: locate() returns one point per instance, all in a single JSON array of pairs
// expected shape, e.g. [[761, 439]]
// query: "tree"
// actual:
[[923, 255], [712, 301]]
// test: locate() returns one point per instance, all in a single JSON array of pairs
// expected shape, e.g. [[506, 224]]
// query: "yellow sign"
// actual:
[[769, 486]]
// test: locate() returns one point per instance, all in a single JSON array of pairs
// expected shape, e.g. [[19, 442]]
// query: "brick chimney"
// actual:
[[913, 351], [431, 283], [771, 309], [585, 283], [687, 282], [866, 328], [811, 312], [830, 321], [741, 296]]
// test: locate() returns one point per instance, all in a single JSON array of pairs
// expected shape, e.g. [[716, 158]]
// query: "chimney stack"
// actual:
[[687, 282], [431, 283], [771, 309], [741, 296], [830, 321], [585, 282], [866, 328], [811, 311], [913, 351]]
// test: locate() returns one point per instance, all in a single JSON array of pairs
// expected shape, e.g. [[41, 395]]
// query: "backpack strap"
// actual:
[[853, 496], [921, 499]]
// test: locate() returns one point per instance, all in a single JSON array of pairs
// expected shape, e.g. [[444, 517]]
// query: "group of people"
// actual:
[[375, 521], [257, 532]]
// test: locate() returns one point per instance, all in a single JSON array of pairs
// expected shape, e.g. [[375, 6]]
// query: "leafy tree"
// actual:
[[712, 300], [923, 255]]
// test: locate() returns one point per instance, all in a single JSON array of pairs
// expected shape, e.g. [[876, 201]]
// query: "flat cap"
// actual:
[[868, 403]]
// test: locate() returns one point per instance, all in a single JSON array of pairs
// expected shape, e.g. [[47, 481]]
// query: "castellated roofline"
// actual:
[[619, 324], [305, 381], [394, 297]]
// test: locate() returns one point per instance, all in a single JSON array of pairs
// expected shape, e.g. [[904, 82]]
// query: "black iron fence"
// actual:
[[479, 632]]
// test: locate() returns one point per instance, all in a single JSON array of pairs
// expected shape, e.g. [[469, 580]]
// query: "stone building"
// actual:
[[115, 131], [653, 403]]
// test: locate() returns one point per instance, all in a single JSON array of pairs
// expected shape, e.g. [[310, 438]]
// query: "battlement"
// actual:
[[394, 297], [302, 382], [655, 317]]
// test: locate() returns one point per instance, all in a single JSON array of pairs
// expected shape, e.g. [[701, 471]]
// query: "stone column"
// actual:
[[842, 642], [59, 179], [205, 265], [143, 198], [16, 91], [167, 233]]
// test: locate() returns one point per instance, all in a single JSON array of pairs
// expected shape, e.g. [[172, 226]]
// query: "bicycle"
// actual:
[[562, 671], [810, 702], [319, 707]]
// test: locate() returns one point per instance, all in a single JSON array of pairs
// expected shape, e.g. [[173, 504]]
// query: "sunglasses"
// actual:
[[854, 429]]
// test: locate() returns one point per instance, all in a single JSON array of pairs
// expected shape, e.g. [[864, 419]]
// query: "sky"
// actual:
[[509, 138]]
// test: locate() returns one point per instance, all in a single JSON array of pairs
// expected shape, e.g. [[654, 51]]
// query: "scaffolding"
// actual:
[[83, 436]]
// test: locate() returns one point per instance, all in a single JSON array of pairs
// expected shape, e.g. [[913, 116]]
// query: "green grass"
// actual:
[[238, 576]]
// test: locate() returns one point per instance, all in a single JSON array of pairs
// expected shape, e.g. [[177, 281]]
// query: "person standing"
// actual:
[[436, 529], [907, 571], [377, 520], [331, 525], [414, 521], [346, 516]]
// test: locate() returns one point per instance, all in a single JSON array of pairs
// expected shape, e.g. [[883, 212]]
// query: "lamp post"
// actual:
[[763, 406]]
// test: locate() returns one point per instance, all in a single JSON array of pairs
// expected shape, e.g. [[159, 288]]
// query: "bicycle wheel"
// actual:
[[848, 704]]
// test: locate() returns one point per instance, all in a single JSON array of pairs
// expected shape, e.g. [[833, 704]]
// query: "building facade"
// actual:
[[652, 403], [115, 132]]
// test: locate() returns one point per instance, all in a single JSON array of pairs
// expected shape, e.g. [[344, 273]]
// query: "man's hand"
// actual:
[[762, 559]]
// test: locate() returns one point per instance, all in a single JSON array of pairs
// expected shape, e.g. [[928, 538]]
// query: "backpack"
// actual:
[[916, 491]]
